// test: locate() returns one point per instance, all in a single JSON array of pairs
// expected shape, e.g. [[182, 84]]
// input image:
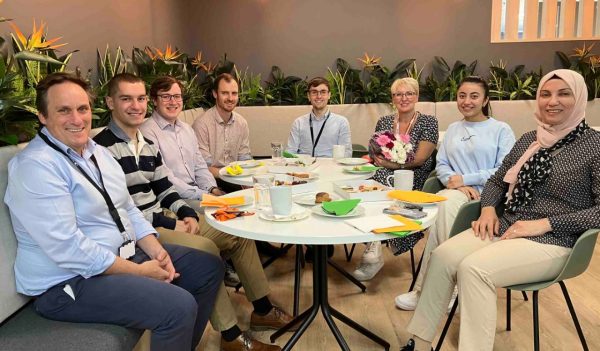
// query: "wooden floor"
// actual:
[[375, 309]]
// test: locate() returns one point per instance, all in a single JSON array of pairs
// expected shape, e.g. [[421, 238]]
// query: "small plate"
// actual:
[[245, 172], [309, 199], [311, 176], [297, 214], [353, 171], [352, 161], [357, 211], [247, 163]]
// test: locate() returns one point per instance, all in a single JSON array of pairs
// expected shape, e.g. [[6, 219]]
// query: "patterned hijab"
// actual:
[[550, 137]]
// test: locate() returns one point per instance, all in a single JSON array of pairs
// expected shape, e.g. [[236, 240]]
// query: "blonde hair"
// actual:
[[410, 82]]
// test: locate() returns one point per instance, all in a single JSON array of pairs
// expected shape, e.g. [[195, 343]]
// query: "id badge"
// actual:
[[127, 250]]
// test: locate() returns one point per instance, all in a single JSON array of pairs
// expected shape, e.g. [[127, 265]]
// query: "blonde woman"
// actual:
[[423, 132]]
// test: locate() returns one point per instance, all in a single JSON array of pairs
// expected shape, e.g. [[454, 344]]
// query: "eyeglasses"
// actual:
[[169, 97], [318, 92], [408, 94]]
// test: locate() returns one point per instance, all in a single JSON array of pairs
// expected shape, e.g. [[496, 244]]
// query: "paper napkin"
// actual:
[[289, 155], [368, 168], [341, 207], [383, 223], [214, 201], [415, 196]]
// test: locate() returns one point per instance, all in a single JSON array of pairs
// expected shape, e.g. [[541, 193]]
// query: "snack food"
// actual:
[[295, 182], [299, 175], [322, 197]]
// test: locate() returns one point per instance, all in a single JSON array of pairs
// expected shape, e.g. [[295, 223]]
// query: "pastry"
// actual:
[[322, 197]]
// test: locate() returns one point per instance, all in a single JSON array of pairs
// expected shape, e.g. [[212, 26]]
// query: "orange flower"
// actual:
[[168, 55], [370, 61], [197, 61], [36, 40], [583, 52]]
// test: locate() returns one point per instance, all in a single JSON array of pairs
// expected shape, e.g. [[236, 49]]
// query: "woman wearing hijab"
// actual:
[[550, 184]]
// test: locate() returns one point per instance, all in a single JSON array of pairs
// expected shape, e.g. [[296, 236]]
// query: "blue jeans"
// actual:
[[176, 313]]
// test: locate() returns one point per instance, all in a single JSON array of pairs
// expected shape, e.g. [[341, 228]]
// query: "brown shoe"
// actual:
[[275, 319], [245, 342]]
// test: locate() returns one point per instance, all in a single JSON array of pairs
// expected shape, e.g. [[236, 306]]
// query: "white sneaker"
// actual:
[[373, 253], [366, 271], [408, 301]]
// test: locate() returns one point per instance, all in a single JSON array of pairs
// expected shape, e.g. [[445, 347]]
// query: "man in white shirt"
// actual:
[[316, 132]]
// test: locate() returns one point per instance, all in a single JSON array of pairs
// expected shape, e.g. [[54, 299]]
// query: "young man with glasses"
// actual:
[[222, 133], [315, 133]]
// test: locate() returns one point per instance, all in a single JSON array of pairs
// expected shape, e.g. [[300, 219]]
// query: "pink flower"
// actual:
[[405, 138], [382, 140]]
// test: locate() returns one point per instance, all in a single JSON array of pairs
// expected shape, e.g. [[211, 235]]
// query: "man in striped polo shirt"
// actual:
[[156, 197]]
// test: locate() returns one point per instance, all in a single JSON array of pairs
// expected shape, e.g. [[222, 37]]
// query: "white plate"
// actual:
[[420, 203], [246, 164], [297, 214], [309, 199], [245, 172], [311, 176], [352, 161], [353, 171], [357, 211]]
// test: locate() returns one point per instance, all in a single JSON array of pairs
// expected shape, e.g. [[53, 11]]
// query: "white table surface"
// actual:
[[327, 170], [313, 230]]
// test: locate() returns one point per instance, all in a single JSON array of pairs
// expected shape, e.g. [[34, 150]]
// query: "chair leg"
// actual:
[[438, 347], [418, 270], [297, 271], [563, 287], [412, 263], [508, 310], [525, 296], [536, 322], [349, 254]]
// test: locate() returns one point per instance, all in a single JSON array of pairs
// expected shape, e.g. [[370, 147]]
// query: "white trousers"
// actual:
[[478, 267], [438, 232]]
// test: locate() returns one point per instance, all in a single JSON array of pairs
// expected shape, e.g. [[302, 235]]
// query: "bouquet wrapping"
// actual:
[[393, 147]]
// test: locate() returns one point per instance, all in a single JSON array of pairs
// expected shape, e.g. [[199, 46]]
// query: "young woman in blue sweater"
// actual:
[[472, 150]]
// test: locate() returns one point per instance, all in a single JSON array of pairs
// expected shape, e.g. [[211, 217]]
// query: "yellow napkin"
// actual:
[[407, 225], [415, 196], [214, 201]]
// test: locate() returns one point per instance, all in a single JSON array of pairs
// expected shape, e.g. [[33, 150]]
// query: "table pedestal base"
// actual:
[[321, 301]]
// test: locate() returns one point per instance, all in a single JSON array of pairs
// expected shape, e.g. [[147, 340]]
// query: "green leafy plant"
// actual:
[[513, 85], [337, 82], [283, 89], [251, 92], [587, 64], [442, 83]]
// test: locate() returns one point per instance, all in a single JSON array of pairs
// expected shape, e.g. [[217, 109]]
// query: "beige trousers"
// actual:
[[245, 260], [478, 267], [439, 231]]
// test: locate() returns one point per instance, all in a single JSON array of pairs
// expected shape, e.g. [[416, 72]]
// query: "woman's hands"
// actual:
[[380, 161], [521, 229], [455, 181], [487, 224], [471, 192]]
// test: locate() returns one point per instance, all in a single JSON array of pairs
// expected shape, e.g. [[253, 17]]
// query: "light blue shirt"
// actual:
[[474, 150], [179, 149], [335, 132], [61, 221]]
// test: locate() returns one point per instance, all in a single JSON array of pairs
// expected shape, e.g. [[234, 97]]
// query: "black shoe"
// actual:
[[410, 346]]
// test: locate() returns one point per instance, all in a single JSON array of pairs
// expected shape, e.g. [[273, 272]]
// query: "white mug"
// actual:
[[281, 200], [339, 151], [403, 179]]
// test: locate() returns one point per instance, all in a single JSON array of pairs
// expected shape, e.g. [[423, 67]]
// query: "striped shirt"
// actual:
[[146, 177]]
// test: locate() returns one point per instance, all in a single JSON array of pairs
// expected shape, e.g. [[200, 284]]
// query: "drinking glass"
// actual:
[[276, 151], [261, 184]]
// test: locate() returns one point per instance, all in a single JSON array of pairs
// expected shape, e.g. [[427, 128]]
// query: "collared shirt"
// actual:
[[222, 142], [62, 223], [146, 176], [335, 132], [178, 146]]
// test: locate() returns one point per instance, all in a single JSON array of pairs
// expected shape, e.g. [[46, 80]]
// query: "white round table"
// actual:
[[327, 169], [317, 231]]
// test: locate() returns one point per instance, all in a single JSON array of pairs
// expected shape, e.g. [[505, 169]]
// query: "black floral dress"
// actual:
[[424, 129]]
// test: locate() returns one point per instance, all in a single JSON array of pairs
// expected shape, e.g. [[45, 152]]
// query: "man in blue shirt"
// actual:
[[316, 132], [84, 249]]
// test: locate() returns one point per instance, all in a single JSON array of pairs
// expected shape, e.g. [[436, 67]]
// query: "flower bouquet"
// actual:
[[395, 148]]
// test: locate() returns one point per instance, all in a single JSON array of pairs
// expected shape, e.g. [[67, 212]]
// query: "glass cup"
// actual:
[[339, 151], [261, 184], [276, 152]]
